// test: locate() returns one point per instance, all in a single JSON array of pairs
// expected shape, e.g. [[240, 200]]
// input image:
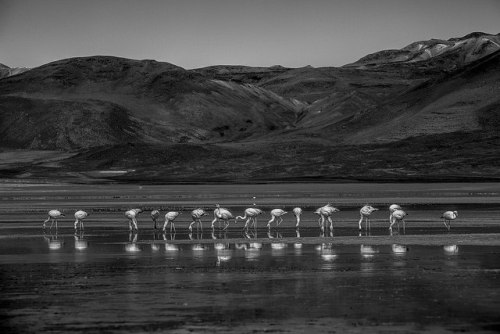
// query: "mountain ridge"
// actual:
[[157, 122]]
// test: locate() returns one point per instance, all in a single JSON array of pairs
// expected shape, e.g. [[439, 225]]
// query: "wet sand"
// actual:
[[106, 279]]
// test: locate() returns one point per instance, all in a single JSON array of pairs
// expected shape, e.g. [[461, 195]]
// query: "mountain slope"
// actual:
[[383, 118], [165, 103]]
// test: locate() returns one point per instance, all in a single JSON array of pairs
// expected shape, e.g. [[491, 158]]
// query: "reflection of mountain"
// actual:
[[427, 111]]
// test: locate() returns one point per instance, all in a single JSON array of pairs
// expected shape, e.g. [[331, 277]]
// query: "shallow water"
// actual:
[[108, 280]]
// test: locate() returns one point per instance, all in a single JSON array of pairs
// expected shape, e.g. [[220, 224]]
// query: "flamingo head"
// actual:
[[456, 213]]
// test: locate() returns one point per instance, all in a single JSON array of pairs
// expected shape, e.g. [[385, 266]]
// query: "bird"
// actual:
[[80, 215], [392, 208], [222, 213], [132, 216], [326, 213], [365, 213], [53, 215], [276, 215], [196, 214], [448, 216], [398, 216], [297, 212], [155, 214], [169, 218], [251, 216]]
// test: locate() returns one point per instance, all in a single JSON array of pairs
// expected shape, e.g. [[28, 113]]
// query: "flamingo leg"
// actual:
[[279, 221], [444, 221], [46, 221], [246, 223], [269, 222], [360, 222], [165, 225], [76, 224], [404, 227], [331, 222], [213, 221], [135, 224], [130, 225], [191, 225]]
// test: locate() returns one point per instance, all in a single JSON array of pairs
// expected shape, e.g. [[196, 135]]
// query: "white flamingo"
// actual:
[[222, 213], [297, 212], [169, 218], [132, 218], [448, 216], [251, 216], [53, 215], [276, 215], [392, 208], [196, 214], [155, 214], [365, 213], [326, 213], [398, 216], [80, 215]]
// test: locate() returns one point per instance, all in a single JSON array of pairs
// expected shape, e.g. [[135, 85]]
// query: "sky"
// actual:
[[199, 33]]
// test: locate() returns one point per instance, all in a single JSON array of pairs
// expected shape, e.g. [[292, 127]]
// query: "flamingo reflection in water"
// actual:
[[80, 242], [399, 249], [450, 249], [53, 241], [131, 246], [326, 251], [169, 247], [367, 251]]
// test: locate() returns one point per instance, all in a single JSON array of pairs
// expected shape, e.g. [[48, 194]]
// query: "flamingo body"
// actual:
[[155, 214], [448, 216], [196, 214], [365, 213], [80, 215], [251, 216], [297, 212], [276, 215], [325, 213], [132, 216], [53, 215], [169, 218], [222, 213]]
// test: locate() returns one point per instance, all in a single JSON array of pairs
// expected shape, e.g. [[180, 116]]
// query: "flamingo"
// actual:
[[448, 216], [326, 212], [53, 215], [251, 216], [196, 214], [222, 213], [169, 218], [398, 216], [155, 214], [80, 215], [365, 213], [393, 208], [276, 215], [297, 212], [132, 216]]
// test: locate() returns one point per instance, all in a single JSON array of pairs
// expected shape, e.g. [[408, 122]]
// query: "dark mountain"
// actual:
[[385, 117]]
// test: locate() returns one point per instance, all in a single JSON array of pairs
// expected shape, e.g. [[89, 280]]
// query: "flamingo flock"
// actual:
[[396, 216]]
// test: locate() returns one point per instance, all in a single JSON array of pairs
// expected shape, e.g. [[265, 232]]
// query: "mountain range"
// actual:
[[427, 112]]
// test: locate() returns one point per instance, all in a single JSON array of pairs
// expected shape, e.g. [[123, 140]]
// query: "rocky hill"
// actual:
[[393, 115]]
